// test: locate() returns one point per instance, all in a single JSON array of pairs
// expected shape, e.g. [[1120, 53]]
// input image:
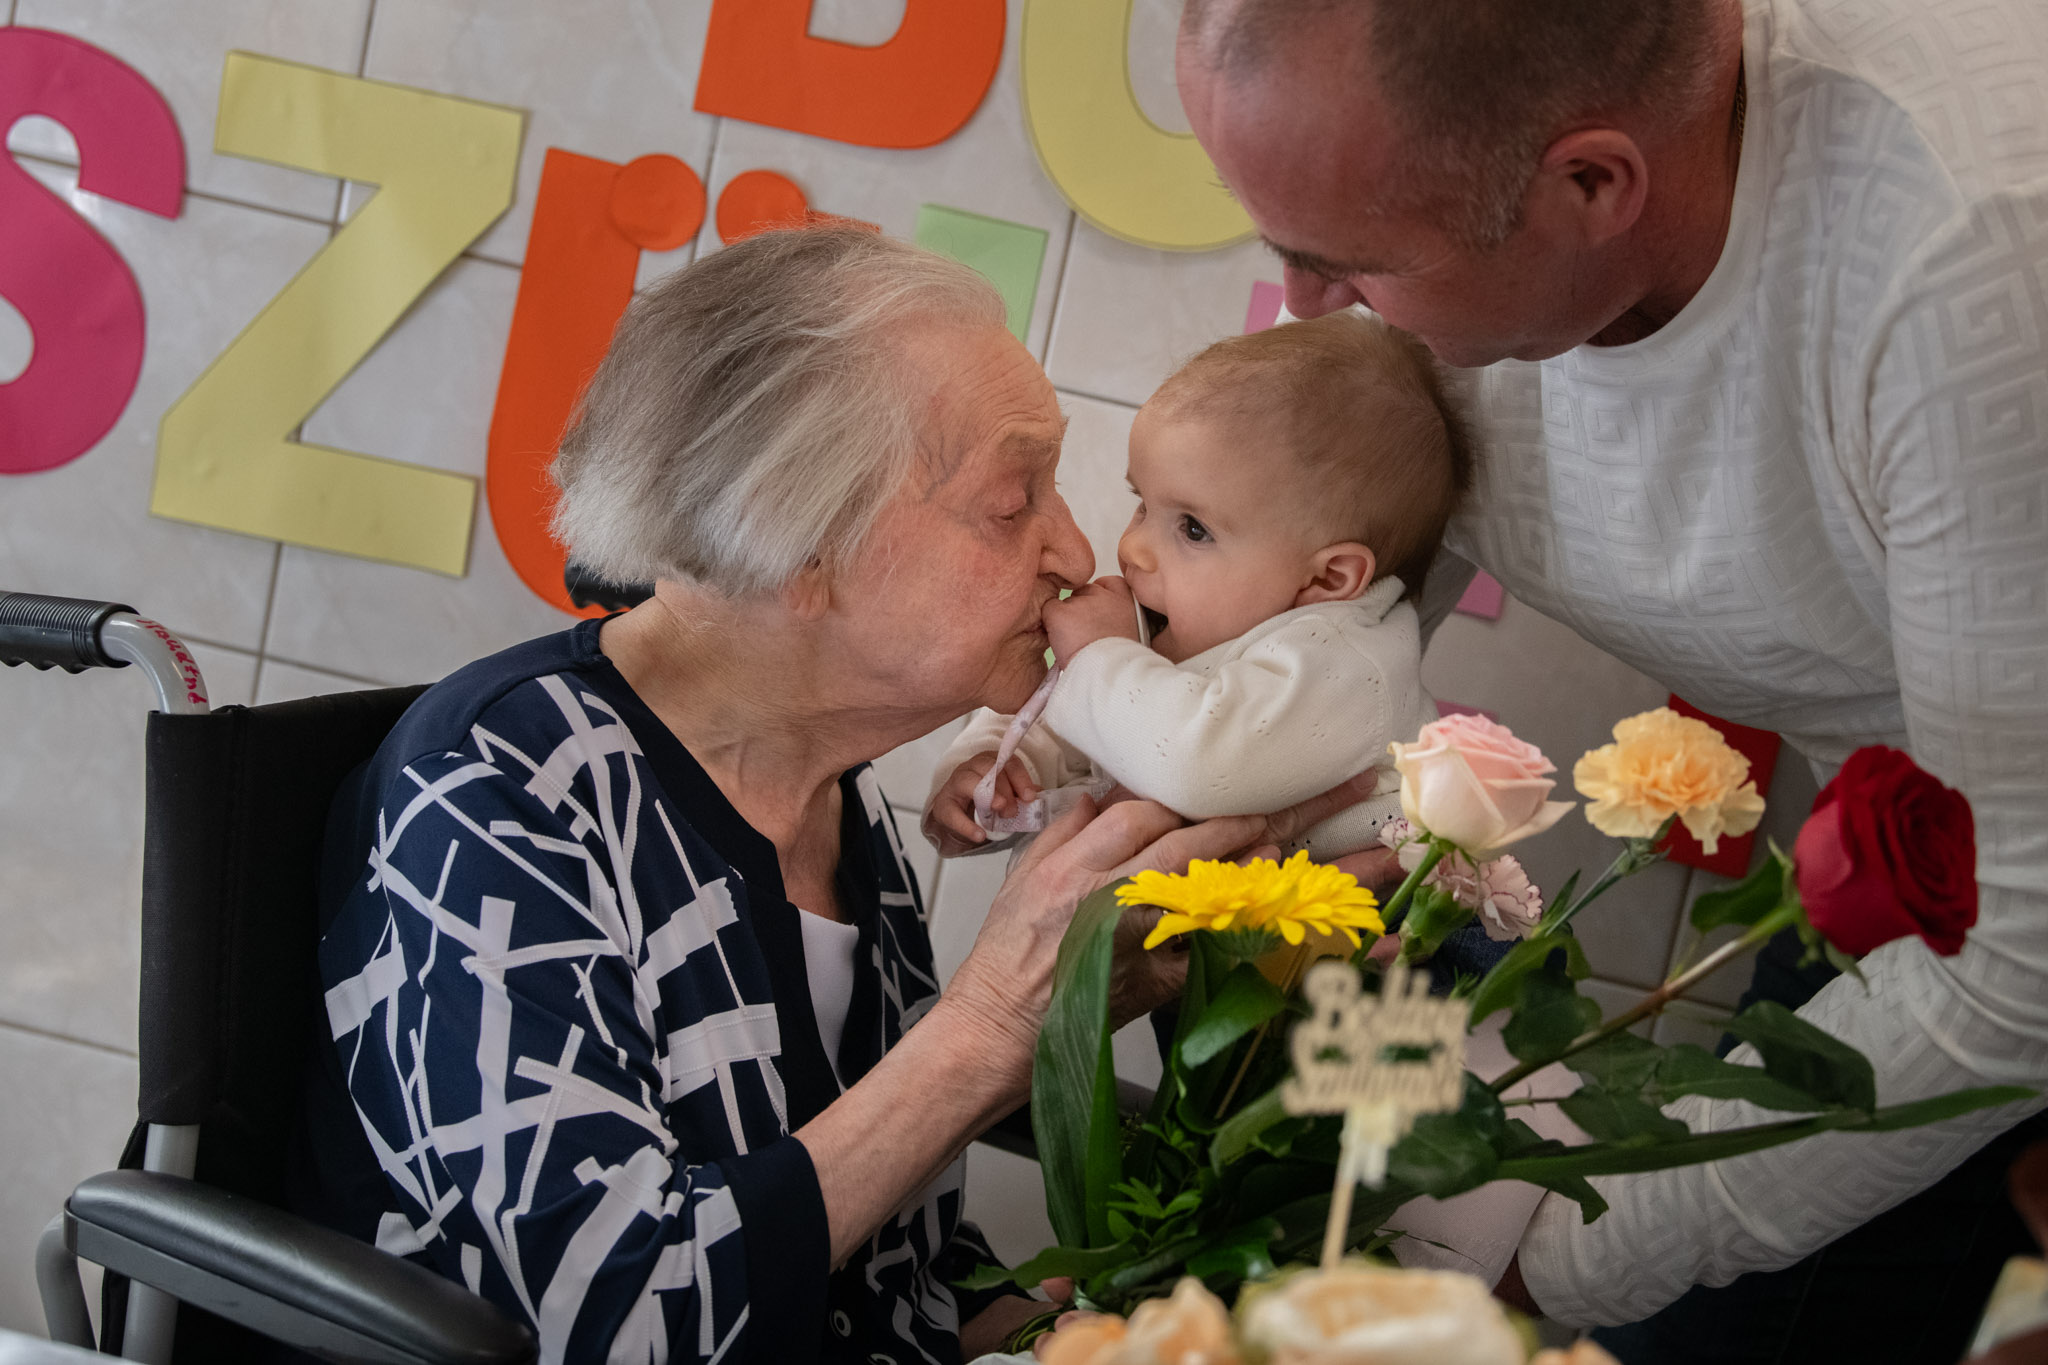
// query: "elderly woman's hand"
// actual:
[[1007, 977]]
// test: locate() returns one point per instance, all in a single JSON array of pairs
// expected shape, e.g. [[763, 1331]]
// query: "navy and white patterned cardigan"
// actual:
[[569, 1002]]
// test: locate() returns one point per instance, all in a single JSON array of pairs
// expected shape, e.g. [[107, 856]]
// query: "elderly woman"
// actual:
[[624, 957]]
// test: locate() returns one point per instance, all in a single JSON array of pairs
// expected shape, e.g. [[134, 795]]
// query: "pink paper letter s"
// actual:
[[80, 298]]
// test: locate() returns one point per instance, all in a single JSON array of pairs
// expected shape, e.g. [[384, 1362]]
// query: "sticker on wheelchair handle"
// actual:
[[188, 667]]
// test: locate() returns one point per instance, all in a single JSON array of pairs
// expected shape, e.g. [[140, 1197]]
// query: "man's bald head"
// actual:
[[1477, 89]]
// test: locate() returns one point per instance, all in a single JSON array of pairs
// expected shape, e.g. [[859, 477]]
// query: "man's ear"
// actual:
[[1338, 573], [1597, 179]]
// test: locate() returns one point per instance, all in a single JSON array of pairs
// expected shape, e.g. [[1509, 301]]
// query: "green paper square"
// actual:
[[1009, 255]]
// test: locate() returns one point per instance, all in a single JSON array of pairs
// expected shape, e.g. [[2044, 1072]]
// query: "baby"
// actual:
[[1292, 487]]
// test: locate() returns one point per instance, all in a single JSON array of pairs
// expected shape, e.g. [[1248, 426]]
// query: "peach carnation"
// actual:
[[1661, 765]]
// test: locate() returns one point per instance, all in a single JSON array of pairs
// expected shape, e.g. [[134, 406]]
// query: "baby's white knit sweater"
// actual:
[[1297, 704]]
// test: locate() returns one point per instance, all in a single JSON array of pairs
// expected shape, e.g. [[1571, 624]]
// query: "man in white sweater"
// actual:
[[1761, 292]]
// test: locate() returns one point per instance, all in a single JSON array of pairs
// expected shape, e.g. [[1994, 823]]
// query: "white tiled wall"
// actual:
[[609, 78]]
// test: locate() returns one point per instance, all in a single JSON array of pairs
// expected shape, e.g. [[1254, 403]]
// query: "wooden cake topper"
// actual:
[[1380, 1061]]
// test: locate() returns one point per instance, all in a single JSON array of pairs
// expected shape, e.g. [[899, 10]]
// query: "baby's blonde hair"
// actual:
[[1363, 407]]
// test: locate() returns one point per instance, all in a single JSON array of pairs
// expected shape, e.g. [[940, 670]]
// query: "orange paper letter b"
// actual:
[[761, 64]]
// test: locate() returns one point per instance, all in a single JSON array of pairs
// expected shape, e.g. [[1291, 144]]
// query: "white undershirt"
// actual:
[[828, 962]]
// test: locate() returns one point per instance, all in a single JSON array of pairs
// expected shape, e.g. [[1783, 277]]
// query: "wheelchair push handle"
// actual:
[[75, 634], [56, 632]]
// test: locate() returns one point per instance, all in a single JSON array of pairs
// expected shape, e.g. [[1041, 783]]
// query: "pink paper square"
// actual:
[[1458, 708], [1482, 598], [1265, 306]]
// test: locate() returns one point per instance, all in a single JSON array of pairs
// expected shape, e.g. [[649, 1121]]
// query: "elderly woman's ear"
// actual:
[[809, 592]]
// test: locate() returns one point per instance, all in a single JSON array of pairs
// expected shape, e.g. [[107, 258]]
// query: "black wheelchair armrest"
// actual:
[[278, 1274]]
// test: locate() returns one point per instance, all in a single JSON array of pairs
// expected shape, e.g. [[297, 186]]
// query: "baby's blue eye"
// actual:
[[1194, 530]]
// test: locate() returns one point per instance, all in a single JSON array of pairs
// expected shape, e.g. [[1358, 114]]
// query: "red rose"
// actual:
[[1887, 852]]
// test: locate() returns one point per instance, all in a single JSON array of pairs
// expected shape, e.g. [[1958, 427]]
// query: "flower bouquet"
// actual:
[[1252, 1152]]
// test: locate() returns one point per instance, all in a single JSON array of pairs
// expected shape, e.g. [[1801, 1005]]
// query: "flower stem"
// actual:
[[1656, 1000], [1295, 971], [1635, 855], [1406, 891]]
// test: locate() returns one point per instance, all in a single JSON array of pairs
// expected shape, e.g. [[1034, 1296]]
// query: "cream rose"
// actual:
[[1469, 780], [1365, 1315]]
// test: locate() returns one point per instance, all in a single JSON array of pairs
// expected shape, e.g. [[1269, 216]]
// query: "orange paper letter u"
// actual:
[[761, 64]]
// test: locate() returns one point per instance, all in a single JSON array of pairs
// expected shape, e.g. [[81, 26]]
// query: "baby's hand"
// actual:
[[1100, 610], [949, 818]]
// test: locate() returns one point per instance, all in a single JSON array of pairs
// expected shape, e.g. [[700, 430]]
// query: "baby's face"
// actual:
[[1218, 543]]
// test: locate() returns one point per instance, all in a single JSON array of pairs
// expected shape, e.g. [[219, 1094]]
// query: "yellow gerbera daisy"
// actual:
[[1259, 897]]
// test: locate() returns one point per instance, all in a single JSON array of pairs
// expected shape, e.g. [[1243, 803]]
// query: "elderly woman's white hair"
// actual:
[[755, 410]]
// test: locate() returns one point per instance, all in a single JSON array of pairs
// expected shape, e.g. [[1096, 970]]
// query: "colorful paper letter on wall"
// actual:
[[1264, 309], [1120, 171], [591, 220], [1483, 597], [761, 64], [225, 457], [1010, 255], [78, 296], [754, 201], [1760, 747]]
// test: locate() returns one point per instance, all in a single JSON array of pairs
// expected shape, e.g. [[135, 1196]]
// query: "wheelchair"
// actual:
[[203, 1260]]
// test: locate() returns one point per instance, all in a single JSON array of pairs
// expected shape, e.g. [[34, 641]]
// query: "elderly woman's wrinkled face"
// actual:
[[944, 605]]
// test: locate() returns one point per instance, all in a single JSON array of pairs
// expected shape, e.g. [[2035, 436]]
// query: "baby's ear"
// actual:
[[1337, 573]]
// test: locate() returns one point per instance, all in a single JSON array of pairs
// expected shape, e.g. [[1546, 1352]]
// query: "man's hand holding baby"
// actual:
[[1100, 610]]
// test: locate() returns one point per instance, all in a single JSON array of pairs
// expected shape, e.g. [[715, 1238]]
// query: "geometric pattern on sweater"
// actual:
[[569, 1026], [1817, 502]]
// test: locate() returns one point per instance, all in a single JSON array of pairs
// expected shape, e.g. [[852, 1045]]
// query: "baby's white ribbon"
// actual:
[[1030, 816]]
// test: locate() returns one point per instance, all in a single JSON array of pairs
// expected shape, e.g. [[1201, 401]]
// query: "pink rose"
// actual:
[[1508, 904], [1468, 780]]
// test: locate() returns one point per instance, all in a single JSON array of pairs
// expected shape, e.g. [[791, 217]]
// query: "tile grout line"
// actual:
[[1059, 289], [1680, 921], [1096, 397], [710, 222], [190, 193], [53, 1036], [269, 612]]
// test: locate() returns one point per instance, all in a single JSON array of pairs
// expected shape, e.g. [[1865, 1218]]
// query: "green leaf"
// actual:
[[1622, 1063], [1482, 1111], [1552, 1014], [1501, 988], [1949, 1106], [1073, 1084], [1806, 1057], [1609, 1117], [1603, 1158], [1244, 1253], [1689, 1070], [1559, 903], [1434, 916], [1442, 1155], [1245, 1001], [1234, 1138], [1520, 1140], [1048, 1264], [1749, 900]]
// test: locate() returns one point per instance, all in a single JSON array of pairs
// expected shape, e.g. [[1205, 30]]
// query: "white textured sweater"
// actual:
[[1297, 704], [1817, 502]]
